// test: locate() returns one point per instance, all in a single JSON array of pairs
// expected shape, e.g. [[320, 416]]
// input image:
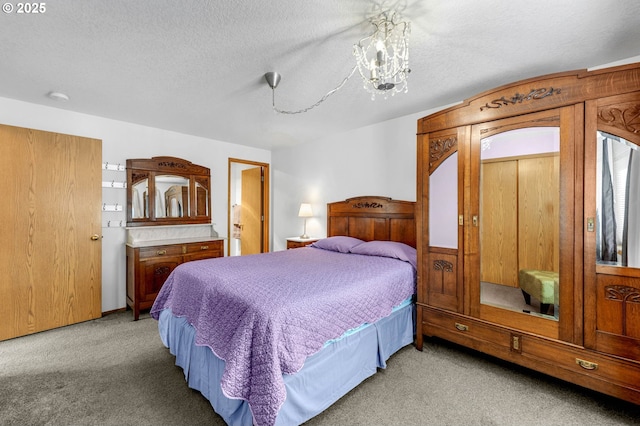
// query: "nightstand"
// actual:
[[297, 242]]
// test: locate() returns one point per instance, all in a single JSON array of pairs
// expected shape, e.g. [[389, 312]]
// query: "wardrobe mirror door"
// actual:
[[617, 201], [519, 220]]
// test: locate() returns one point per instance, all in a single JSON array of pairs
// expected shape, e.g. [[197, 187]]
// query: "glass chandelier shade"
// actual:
[[383, 57]]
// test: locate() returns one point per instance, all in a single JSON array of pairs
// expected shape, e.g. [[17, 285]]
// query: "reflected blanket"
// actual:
[[265, 314]]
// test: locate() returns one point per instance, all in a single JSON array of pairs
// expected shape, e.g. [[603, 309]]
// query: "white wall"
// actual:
[[121, 140], [375, 160]]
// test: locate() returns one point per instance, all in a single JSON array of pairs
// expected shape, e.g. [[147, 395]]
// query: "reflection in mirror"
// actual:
[[202, 195], [172, 196], [167, 191], [139, 199], [520, 221], [617, 201], [443, 205]]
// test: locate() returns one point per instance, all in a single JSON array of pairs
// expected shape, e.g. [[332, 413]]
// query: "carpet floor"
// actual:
[[114, 371]]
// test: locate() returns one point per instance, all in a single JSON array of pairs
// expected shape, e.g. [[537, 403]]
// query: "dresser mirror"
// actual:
[[167, 191], [617, 202], [139, 187], [519, 220], [202, 197]]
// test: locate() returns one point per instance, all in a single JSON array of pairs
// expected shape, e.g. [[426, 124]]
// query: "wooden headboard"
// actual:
[[373, 218]]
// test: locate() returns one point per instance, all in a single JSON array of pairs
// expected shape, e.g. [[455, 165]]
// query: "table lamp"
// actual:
[[305, 211]]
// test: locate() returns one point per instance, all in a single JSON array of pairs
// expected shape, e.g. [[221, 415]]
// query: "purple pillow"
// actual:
[[342, 244], [391, 249]]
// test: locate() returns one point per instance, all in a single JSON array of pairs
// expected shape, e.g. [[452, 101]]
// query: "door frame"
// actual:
[[265, 201]]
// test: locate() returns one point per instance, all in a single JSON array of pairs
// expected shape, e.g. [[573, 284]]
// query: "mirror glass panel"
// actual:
[[202, 197], [167, 191], [443, 205], [172, 196], [617, 201], [139, 199], [519, 220]]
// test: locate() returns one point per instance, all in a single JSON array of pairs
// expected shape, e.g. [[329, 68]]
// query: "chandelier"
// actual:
[[382, 60], [383, 57]]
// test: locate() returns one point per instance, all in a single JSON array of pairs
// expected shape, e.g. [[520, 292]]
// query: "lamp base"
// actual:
[[304, 237]]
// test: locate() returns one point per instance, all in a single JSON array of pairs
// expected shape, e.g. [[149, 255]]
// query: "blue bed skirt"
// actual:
[[326, 376]]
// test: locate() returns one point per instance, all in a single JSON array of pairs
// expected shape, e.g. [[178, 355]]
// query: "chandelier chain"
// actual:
[[382, 59], [324, 98]]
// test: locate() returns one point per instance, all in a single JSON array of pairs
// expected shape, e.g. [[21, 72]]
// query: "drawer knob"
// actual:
[[204, 247], [462, 327], [587, 365], [161, 252]]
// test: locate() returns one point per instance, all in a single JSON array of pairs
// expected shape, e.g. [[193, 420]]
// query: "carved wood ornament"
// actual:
[[367, 205], [172, 164], [624, 294], [439, 147], [443, 266], [626, 119], [533, 95]]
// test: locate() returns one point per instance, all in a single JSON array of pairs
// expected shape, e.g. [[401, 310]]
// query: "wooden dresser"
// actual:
[[150, 263]]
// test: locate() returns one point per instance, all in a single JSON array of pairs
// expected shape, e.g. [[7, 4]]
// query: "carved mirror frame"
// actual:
[[195, 201]]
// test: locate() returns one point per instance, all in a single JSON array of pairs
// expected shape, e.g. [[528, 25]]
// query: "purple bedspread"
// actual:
[[265, 314]]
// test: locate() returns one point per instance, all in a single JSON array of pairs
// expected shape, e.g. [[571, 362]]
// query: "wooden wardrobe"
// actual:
[[540, 176]]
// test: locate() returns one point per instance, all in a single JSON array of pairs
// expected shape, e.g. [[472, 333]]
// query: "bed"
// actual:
[[276, 338]]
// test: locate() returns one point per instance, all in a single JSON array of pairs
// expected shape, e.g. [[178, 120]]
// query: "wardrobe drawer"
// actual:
[[464, 327], [584, 362]]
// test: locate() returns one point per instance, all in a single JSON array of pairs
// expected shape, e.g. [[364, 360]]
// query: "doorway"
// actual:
[[248, 207]]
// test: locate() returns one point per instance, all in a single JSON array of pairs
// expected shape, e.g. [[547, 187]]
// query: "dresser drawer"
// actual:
[[213, 247], [161, 251]]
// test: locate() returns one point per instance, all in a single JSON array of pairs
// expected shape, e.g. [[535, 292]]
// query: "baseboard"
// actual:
[[115, 311]]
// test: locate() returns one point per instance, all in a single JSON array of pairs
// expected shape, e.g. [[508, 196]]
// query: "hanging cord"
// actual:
[[324, 98]]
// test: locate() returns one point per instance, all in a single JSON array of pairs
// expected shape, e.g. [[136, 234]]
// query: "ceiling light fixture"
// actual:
[[57, 96], [382, 59]]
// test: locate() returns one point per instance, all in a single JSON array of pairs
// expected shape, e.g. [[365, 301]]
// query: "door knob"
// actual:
[[95, 237]]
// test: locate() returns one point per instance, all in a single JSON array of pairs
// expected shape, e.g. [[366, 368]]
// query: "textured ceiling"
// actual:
[[197, 67]]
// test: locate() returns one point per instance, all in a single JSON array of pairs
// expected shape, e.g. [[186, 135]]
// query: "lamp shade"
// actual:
[[305, 210]]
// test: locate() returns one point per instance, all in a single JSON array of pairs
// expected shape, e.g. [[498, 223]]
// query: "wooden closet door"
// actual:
[[50, 222], [538, 207], [499, 222]]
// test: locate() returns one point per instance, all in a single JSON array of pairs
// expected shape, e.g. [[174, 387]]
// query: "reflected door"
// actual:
[[251, 241]]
